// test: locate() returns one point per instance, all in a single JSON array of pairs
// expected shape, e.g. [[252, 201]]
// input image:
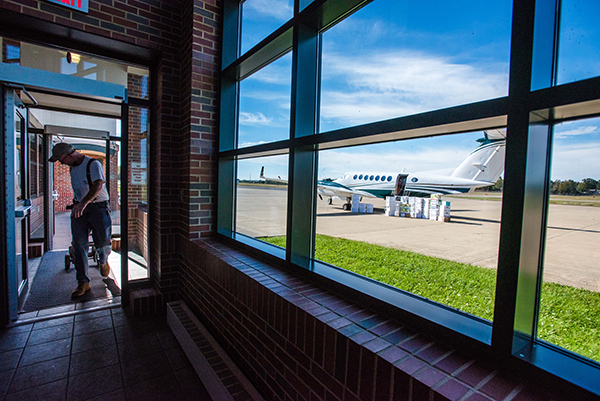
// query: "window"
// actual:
[[579, 41], [417, 249], [261, 200], [570, 297], [412, 91], [394, 59], [74, 64], [265, 104], [261, 17]]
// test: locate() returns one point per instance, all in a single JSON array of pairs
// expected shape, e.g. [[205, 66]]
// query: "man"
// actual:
[[91, 212]]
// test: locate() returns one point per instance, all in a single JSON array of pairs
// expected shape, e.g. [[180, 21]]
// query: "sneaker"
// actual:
[[104, 269], [81, 289]]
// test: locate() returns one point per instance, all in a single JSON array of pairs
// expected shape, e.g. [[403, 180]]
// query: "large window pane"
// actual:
[[139, 130], [395, 58], [261, 203], [570, 300], [265, 104], [579, 40], [443, 249], [261, 17]]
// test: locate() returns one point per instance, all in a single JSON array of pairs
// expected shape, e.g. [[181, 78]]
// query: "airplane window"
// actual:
[[371, 178], [415, 179], [366, 177], [389, 178], [360, 177], [377, 178], [354, 176]]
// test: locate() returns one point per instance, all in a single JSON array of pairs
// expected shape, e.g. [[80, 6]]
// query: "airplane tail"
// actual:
[[486, 163]]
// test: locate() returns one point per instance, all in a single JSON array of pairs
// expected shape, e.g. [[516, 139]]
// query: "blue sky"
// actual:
[[396, 58]]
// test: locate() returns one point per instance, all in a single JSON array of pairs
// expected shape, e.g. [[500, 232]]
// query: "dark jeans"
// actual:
[[96, 218]]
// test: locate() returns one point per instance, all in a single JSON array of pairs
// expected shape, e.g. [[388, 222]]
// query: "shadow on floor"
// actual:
[[100, 355]]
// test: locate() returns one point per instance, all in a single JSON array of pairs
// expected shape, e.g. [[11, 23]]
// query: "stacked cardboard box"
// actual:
[[390, 205], [444, 212], [433, 208]]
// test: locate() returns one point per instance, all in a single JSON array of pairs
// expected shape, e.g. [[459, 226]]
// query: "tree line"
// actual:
[[558, 187], [571, 187]]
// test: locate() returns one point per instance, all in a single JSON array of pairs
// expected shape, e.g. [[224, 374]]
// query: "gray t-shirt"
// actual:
[[79, 180]]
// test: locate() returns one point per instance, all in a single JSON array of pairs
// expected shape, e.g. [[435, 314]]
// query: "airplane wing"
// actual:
[[326, 188], [332, 188]]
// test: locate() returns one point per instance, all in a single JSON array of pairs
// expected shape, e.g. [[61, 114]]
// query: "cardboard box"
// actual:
[[390, 203]]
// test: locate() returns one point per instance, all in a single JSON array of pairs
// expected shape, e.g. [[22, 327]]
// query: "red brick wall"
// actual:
[[295, 340], [200, 85], [62, 185]]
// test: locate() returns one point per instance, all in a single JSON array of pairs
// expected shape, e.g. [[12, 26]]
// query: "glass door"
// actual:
[[17, 201]]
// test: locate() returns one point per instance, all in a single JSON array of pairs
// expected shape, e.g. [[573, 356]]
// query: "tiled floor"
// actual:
[[98, 355]]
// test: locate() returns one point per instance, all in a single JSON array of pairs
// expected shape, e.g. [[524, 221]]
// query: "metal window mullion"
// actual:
[[125, 203], [514, 176], [232, 20], [228, 119], [303, 160], [533, 61]]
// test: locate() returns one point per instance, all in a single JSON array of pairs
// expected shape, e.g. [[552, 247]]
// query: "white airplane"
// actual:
[[481, 168]]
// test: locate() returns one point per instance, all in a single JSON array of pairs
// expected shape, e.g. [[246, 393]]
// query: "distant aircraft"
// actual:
[[481, 168]]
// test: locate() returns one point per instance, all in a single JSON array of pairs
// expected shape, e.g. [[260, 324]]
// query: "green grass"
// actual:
[[583, 200], [569, 317]]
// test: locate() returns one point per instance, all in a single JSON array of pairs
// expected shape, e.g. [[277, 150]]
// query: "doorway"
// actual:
[[39, 110]]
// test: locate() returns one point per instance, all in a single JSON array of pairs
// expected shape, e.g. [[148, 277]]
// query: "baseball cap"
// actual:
[[61, 149]]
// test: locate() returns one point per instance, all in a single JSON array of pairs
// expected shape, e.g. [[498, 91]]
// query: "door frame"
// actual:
[[80, 87], [15, 212]]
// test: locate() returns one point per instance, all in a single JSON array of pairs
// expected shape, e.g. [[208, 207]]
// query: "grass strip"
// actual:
[[569, 317], [573, 201]]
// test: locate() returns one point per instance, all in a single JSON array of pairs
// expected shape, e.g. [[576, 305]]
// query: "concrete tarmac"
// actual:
[[472, 236]]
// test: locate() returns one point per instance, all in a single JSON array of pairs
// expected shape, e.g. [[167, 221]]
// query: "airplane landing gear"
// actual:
[[329, 201], [348, 204]]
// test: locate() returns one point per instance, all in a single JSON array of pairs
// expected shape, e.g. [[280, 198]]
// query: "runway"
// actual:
[[472, 236]]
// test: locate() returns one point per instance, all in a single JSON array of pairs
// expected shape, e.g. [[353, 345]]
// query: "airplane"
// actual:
[[481, 168]]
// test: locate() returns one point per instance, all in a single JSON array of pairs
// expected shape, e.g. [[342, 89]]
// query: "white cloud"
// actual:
[[400, 82], [254, 118], [266, 96], [281, 10], [576, 161], [276, 73], [585, 130], [247, 144], [390, 158]]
